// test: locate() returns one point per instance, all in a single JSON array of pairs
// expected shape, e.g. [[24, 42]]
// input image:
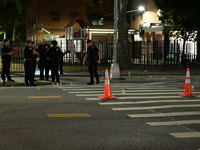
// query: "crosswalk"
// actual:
[[136, 101]]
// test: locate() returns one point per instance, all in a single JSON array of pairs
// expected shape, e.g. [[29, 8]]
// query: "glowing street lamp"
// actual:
[[140, 8]]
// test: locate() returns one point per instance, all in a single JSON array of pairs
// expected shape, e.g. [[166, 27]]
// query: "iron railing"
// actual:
[[140, 55]]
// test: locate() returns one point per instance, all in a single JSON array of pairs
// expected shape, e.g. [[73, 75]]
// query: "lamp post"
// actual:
[[114, 71], [116, 17]]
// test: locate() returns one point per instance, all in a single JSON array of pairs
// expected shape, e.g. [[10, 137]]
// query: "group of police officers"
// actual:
[[50, 57]]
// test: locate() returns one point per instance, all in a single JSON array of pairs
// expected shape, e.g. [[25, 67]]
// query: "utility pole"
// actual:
[[115, 71]]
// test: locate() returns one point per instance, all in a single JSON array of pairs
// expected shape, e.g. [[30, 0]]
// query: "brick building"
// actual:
[[146, 24], [48, 19]]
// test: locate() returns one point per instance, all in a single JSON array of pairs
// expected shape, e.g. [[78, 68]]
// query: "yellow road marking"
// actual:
[[68, 115], [44, 97]]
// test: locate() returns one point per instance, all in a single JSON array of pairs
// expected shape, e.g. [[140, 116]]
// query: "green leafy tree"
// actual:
[[13, 18], [182, 16]]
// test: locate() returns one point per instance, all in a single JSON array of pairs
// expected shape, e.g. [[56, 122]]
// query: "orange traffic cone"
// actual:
[[107, 88], [187, 85]]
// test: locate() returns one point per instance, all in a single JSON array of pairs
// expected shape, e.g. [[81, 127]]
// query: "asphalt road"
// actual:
[[146, 116]]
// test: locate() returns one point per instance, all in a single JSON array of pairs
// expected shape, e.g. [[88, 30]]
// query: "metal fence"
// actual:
[[159, 55], [140, 55]]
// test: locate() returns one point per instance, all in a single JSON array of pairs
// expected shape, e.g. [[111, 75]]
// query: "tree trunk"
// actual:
[[166, 46], [14, 33], [123, 27]]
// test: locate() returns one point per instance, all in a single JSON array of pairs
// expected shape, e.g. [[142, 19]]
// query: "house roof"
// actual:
[[79, 20]]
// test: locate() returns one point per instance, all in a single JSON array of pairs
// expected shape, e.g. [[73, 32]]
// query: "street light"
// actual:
[[140, 8], [115, 71]]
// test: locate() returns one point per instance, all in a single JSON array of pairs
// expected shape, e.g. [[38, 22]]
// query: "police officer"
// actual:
[[54, 55], [93, 58], [43, 64], [34, 58], [29, 64], [6, 53]]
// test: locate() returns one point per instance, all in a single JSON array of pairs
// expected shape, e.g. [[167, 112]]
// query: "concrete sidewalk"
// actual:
[[129, 76]]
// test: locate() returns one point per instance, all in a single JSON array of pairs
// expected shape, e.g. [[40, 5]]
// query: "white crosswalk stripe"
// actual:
[[88, 91], [122, 94], [147, 102], [171, 114], [127, 90], [151, 97], [171, 123], [142, 97], [155, 107], [186, 135]]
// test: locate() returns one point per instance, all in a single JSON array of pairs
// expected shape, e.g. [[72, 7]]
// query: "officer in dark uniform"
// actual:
[[43, 64], [54, 55], [34, 58], [6, 54], [29, 64], [93, 58]]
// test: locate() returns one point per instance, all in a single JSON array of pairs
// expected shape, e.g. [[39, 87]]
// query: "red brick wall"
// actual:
[[42, 9], [149, 16]]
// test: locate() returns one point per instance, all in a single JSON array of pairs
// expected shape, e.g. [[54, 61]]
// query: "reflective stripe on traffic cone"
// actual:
[[107, 88], [187, 85]]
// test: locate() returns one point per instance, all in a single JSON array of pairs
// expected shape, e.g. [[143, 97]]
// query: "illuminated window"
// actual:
[[101, 21], [97, 20]]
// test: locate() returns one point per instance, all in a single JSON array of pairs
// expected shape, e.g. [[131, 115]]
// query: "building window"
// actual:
[[99, 1], [74, 15], [55, 16], [101, 21], [97, 20]]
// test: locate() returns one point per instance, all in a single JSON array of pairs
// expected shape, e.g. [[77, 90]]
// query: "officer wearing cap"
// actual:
[[34, 58], [29, 64], [6, 54], [43, 64], [93, 58]]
